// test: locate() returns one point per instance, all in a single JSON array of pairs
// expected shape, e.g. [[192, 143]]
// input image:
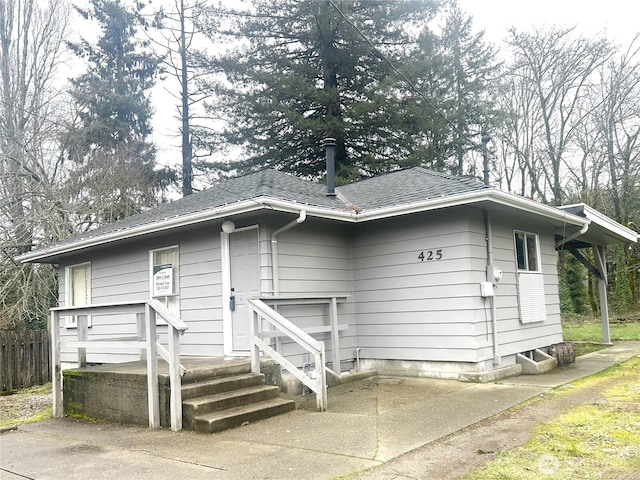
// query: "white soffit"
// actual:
[[601, 225]]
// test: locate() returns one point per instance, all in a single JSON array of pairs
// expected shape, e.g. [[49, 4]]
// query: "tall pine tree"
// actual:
[[308, 69], [114, 174]]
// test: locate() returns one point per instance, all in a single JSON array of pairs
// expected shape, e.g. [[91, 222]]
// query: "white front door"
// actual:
[[245, 282]]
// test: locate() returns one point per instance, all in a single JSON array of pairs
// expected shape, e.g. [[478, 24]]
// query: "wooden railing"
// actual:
[[278, 325], [145, 342], [334, 328]]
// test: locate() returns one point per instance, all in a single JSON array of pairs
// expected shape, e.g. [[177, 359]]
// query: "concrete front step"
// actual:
[[195, 407], [236, 416], [203, 370], [233, 398], [230, 392], [218, 385]]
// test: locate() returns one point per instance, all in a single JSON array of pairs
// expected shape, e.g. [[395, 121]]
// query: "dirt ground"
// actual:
[[468, 449], [23, 405]]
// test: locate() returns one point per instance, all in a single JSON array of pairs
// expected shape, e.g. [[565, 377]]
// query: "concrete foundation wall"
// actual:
[[113, 397], [462, 371], [121, 397]]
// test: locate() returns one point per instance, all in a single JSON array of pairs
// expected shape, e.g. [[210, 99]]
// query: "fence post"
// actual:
[[152, 368], [56, 367]]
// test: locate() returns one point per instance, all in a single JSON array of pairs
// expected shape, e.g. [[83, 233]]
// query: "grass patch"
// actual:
[[582, 329], [590, 441], [587, 333], [583, 348], [592, 332]]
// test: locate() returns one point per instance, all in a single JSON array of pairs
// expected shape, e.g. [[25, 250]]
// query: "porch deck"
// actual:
[[118, 392], [196, 367]]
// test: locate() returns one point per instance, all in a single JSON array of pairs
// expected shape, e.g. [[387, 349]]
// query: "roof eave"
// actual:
[[486, 195], [247, 206], [166, 224], [616, 229]]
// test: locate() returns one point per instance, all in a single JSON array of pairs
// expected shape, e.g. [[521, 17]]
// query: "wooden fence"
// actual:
[[24, 359]]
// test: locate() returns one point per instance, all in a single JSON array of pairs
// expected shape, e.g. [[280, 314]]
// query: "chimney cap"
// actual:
[[329, 142]]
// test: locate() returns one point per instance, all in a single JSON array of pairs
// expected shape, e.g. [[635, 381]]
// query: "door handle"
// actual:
[[232, 300]]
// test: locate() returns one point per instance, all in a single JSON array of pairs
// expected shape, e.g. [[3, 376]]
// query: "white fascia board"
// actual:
[[493, 196], [351, 216], [314, 211], [166, 224], [601, 219]]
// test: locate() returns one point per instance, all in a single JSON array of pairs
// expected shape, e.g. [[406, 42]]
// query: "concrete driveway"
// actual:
[[369, 422]]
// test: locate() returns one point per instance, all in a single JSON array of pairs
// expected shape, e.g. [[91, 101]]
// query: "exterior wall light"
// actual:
[[228, 226]]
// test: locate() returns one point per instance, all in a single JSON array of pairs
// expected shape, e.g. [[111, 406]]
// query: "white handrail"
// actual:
[[149, 345], [168, 316], [260, 312]]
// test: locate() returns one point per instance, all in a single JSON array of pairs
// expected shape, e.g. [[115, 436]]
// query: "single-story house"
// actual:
[[429, 274]]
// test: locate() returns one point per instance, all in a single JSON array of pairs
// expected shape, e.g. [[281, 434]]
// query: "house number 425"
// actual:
[[430, 255]]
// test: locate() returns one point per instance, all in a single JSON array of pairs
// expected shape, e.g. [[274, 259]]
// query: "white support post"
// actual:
[[174, 378], [83, 335], [277, 340], [152, 369], [255, 349], [56, 366], [321, 379], [335, 339], [599, 252], [142, 333]]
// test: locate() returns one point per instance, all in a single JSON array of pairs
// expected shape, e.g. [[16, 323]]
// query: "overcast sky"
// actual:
[[619, 20]]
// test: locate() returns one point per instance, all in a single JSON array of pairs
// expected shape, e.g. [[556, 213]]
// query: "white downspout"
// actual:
[[582, 231], [490, 278], [274, 249]]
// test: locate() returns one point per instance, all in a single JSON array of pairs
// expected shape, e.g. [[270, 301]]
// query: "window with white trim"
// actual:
[[527, 251], [165, 277], [78, 290], [531, 298]]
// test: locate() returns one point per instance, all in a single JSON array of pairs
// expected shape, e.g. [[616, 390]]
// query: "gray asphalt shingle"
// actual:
[[390, 189]]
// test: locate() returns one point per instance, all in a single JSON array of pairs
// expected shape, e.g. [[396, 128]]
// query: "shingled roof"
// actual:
[[390, 194], [404, 187], [393, 188]]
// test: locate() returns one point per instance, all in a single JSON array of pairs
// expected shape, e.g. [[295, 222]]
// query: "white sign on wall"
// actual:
[[162, 280]]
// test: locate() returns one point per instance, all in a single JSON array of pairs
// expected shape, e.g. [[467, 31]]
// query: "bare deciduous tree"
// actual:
[[31, 211], [558, 67]]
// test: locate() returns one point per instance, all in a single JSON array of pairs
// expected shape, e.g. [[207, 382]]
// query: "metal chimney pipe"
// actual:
[[330, 147]]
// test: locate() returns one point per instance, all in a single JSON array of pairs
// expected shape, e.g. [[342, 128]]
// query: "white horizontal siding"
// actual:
[[513, 336], [409, 309], [315, 258], [201, 292], [122, 275]]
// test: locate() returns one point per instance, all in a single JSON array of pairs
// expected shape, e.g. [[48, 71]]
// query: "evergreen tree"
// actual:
[[454, 72], [573, 285], [473, 69], [310, 69], [114, 175]]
